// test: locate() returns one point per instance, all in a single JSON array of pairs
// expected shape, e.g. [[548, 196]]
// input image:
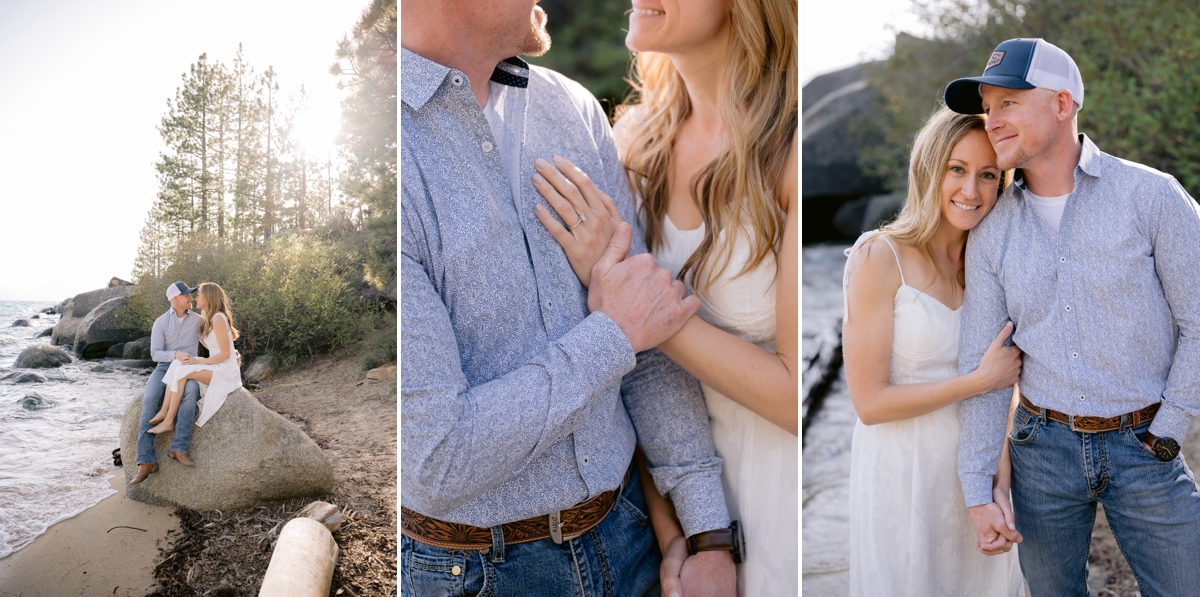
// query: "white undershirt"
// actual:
[[1051, 208]]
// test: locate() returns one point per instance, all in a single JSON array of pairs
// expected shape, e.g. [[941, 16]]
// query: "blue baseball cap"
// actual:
[[177, 289], [1018, 64]]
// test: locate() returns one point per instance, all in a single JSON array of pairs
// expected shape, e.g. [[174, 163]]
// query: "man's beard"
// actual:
[[537, 39], [1018, 159]]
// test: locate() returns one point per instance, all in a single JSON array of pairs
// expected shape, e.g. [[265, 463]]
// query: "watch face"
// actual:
[[1166, 449]]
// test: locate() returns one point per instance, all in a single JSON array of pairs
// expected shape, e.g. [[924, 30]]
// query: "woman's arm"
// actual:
[[764, 382], [867, 349], [671, 542]]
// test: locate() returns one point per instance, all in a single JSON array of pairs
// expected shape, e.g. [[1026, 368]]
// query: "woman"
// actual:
[[218, 375], [911, 533], [711, 152]]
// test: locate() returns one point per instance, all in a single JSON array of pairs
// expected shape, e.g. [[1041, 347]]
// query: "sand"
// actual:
[[86, 555]]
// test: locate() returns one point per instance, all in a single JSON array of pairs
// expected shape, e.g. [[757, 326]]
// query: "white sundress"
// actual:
[[226, 375], [760, 471], [910, 531]]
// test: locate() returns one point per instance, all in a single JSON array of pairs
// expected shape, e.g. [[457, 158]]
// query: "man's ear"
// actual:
[[1064, 106]]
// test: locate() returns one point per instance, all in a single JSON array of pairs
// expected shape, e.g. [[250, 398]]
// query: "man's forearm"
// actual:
[[983, 424]]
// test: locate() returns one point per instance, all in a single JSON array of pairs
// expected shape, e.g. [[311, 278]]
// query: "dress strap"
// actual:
[[894, 254]]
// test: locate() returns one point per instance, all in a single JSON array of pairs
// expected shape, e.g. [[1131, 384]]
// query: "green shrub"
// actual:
[[380, 348], [291, 297]]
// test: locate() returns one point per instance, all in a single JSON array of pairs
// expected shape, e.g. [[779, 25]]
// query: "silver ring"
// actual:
[[582, 219]]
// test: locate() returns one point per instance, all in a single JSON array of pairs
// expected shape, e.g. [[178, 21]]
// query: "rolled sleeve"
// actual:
[[668, 412], [158, 343], [1176, 238], [983, 417]]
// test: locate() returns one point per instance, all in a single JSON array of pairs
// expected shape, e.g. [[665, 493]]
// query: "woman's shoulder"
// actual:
[[219, 316], [874, 256]]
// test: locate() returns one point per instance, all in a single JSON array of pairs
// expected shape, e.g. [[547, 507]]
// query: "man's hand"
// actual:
[[181, 356], [992, 533], [708, 574], [640, 297], [672, 562]]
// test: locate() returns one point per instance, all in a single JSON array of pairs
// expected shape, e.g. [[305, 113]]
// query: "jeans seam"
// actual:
[[1141, 585], [573, 545], [602, 561]]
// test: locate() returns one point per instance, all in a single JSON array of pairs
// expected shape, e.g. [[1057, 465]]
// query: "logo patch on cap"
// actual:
[[994, 60]]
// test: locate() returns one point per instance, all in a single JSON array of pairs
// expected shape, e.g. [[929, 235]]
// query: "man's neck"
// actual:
[[1053, 173], [179, 312]]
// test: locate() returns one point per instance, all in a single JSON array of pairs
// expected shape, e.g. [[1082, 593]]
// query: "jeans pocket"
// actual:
[[1025, 427], [1137, 442], [631, 508], [428, 574]]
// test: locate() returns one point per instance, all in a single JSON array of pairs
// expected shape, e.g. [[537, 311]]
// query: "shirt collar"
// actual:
[[420, 77], [1089, 162]]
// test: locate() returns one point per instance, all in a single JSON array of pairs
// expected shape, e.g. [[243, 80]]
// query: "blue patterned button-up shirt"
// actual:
[[515, 400], [1106, 310]]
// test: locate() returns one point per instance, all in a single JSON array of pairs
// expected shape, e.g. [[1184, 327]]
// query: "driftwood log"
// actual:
[[303, 561]]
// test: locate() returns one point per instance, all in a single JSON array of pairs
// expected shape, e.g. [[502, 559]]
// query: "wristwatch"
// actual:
[[1165, 448], [719, 539]]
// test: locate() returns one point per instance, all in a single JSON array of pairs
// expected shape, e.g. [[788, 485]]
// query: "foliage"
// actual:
[[366, 65], [292, 297], [380, 347], [1138, 60], [588, 45]]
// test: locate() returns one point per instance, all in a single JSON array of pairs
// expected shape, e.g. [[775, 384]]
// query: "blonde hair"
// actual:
[[758, 106], [922, 211], [215, 301]]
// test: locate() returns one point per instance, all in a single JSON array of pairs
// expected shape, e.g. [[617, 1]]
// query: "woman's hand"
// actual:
[[1001, 365], [188, 359], [589, 214], [672, 563]]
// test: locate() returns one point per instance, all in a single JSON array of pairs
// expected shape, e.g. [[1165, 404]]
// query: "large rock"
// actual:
[[834, 105], [20, 323], [115, 282], [24, 377], [262, 368], [76, 308], [138, 349], [60, 308], [245, 455], [41, 356], [45, 333], [115, 351], [104, 327], [868, 213]]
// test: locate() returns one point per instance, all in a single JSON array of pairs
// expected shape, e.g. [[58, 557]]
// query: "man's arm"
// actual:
[[158, 345], [1176, 241], [982, 416], [459, 441]]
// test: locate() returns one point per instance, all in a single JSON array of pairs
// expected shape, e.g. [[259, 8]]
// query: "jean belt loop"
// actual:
[[1042, 414], [1124, 422], [498, 544]]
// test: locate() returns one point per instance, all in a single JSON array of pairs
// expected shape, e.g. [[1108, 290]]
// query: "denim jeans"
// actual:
[[617, 558], [152, 399], [1153, 507]]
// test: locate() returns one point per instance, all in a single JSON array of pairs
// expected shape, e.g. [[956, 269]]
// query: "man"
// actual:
[[1093, 259], [520, 390], [176, 333]]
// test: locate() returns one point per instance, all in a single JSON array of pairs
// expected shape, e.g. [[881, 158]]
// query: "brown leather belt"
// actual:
[[451, 535], [1095, 424]]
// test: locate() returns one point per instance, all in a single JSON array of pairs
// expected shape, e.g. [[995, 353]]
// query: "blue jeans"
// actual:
[[152, 399], [1153, 507], [617, 558]]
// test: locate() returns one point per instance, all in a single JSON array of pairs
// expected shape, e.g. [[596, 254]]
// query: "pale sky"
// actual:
[[837, 34], [83, 87]]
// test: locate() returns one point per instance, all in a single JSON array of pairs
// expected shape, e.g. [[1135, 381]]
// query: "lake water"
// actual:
[[57, 437]]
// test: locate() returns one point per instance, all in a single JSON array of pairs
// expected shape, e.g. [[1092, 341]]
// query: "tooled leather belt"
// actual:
[[451, 535], [1095, 424]]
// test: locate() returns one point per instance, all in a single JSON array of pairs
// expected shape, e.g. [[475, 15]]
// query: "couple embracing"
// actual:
[[1077, 280], [182, 378], [547, 324]]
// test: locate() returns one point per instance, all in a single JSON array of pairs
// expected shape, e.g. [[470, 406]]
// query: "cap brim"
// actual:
[[962, 95]]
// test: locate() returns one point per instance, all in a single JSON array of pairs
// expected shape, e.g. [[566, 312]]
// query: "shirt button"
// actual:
[[487, 146], [1062, 259], [455, 570], [1074, 355], [457, 80], [1081, 397], [1068, 307], [585, 460]]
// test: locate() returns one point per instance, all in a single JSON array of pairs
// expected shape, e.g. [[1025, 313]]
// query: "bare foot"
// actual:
[[158, 418], [161, 428]]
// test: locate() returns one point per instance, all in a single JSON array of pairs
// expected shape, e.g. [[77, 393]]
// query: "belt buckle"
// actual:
[[1071, 420]]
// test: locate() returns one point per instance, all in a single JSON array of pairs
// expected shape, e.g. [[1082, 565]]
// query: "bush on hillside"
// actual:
[[1141, 74], [291, 297]]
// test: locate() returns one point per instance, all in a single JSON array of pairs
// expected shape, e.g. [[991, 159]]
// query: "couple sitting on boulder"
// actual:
[[181, 377]]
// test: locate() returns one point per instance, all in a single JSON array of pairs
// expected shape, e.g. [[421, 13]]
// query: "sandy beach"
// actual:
[[93, 553]]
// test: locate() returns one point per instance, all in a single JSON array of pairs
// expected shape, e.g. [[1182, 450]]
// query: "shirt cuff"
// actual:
[[1171, 421], [700, 504], [600, 343], [977, 488]]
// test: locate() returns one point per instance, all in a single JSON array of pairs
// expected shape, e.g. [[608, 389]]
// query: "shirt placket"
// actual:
[[1072, 351]]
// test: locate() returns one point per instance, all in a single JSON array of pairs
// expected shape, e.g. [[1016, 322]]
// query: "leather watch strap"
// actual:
[[717, 540]]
